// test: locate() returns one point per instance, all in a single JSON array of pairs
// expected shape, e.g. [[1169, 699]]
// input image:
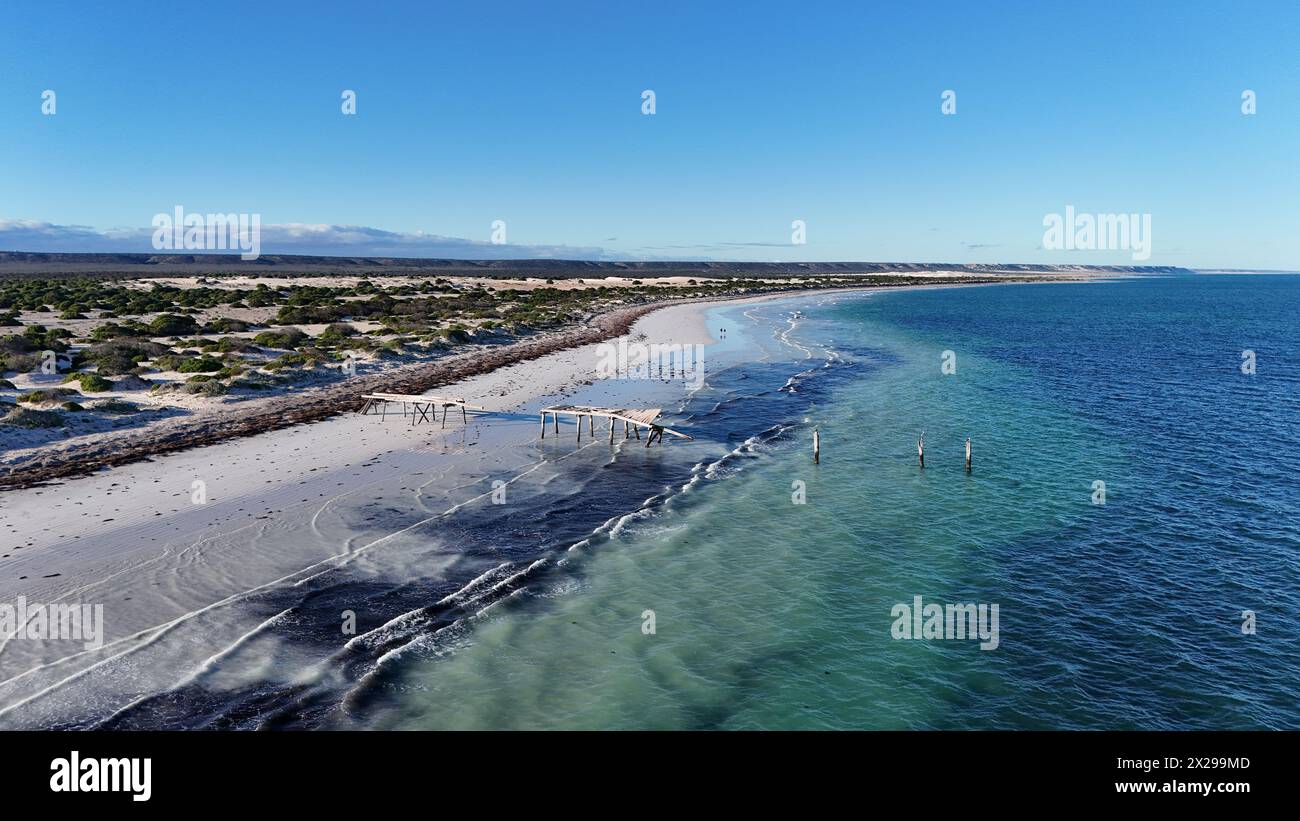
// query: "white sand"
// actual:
[[165, 566]]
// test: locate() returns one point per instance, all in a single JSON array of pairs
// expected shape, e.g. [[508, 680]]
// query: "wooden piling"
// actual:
[[817, 447], [920, 449], [543, 424], [968, 454]]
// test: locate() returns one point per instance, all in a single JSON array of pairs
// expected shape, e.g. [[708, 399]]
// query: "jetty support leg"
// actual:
[[817, 448], [543, 425]]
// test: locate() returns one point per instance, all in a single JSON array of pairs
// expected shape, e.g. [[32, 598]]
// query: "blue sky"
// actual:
[[765, 113]]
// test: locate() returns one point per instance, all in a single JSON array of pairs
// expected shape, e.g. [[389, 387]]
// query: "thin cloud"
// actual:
[[289, 238], [719, 246]]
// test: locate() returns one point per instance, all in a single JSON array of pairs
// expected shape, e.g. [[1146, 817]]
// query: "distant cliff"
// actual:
[[24, 263]]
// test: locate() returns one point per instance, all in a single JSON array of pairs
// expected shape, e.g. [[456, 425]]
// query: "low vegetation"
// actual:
[[29, 418], [249, 339]]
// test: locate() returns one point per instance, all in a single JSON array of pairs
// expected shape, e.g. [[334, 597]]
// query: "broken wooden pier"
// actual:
[[420, 406], [633, 419]]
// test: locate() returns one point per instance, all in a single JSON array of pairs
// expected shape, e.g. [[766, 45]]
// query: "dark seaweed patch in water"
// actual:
[[502, 550]]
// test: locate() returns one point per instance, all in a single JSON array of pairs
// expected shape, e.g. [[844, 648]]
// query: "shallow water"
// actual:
[[772, 614]]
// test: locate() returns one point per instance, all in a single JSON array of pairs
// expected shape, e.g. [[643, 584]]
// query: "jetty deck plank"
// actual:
[[638, 417]]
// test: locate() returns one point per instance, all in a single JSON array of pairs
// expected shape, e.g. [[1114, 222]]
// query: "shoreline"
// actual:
[[316, 404], [279, 513], [345, 495], [47, 464]]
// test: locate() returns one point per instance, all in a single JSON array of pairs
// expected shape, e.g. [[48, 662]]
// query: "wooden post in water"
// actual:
[[626, 432], [464, 417], [920, 449], [556, 417], [591, 425], [817, 448], [968, 454], [579, 427], [543, 424], [611, 430]]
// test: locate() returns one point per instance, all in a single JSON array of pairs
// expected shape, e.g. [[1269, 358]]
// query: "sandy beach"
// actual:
[[161, 543], [34, 457]]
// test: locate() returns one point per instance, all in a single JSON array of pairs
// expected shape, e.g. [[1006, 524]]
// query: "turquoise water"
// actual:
[[773, 614]]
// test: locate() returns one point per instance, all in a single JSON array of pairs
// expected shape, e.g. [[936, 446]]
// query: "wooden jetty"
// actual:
[[633, 420], [420, 406]]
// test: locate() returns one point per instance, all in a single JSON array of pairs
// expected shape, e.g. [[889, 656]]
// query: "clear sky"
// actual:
[[766, 113]]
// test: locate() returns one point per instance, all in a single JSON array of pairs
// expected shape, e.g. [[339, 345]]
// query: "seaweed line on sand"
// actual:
[[294, 409]]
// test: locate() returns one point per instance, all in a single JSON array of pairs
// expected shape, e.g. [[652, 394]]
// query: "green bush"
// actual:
[[288, 360], [233, 344], [251, 385], [286, 338], [114, 406], [212, 388], [21, 362], [112, 330], [91, 382], [337, 330], [30, 418], [121, 356], [172, 325], [203, 364], [225, 325], [47, 395]]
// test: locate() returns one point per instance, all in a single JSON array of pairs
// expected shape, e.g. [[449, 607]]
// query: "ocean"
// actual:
[[1129, 516], [722, 603]]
